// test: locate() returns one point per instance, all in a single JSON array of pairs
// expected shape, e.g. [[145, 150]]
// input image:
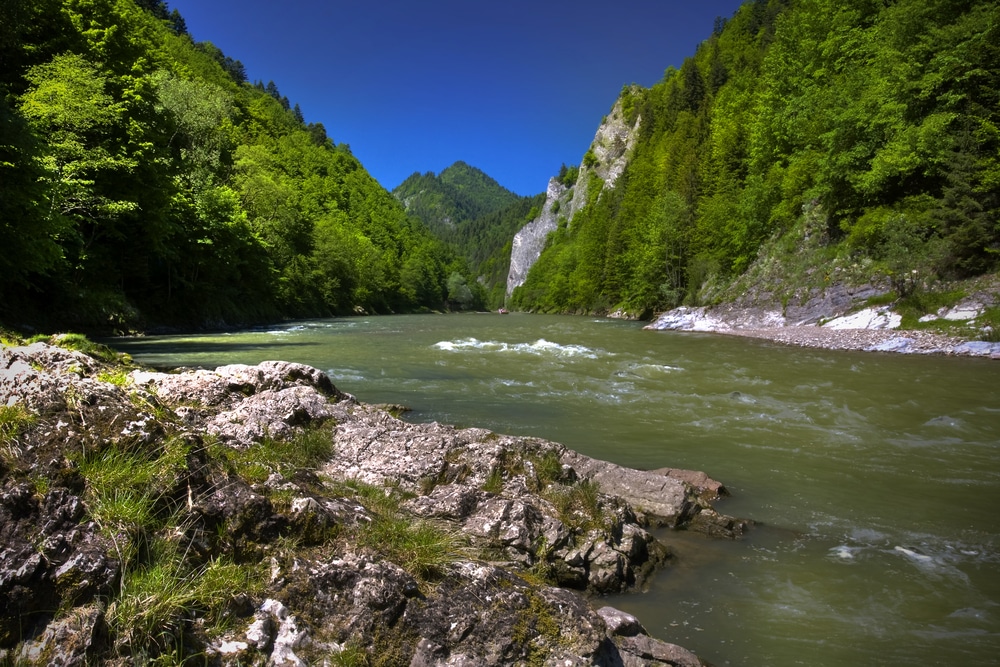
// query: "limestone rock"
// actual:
[[518, 504], [612, 147], [66, 641], [619, 623]]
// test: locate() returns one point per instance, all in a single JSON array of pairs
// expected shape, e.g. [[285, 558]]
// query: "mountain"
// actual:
[[145, 181], [804, 144], [458, 194], [465, 207]]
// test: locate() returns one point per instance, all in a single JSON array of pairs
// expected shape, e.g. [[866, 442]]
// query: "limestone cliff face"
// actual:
[[530, 239], [611, 149]]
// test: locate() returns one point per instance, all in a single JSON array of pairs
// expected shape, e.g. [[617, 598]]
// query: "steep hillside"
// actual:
[[144, 181], [817, 141], [458, 194], [470, 210], [575, 187]]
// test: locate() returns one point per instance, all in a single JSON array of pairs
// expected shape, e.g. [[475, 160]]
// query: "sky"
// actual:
[[515, 88]]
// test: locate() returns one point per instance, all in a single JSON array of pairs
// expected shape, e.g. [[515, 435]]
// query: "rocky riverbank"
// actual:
[[869, 330], [258, 515]]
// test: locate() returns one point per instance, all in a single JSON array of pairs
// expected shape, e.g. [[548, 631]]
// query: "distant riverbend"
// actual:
[[875, 478]]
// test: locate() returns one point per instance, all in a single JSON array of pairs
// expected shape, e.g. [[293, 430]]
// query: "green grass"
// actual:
[[548, 467], [162, 589], [494, 481], [920, 303], [14, 420], [989, 323], [157, 599], [579, 506], [256, 463], [80, 343], [421, 548], [353, 654], [882, 299], [381, 500], [118, 377], [534, 623]]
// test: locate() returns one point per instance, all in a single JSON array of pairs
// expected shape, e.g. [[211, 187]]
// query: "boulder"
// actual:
[[524, 514]]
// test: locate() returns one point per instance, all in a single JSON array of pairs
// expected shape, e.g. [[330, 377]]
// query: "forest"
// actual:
[[144, 181], [477, 216], [859, 134]]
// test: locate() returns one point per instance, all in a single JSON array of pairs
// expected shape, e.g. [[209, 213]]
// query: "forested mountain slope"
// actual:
[[459, 193], [143, 180], [471, 211], [836, 140]]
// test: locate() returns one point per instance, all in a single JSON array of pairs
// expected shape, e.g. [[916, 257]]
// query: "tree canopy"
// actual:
[[143, 181], [851, 124], [476, 215]]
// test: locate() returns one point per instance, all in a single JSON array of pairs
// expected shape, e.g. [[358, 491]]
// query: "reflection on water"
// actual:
[[876, 477]]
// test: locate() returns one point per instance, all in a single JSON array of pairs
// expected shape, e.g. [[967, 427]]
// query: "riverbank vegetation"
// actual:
[[861, 134], [145, 180]]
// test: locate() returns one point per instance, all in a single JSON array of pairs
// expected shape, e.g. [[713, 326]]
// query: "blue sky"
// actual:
[[515, 88]]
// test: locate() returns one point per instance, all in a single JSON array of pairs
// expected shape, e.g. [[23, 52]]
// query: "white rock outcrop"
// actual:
[[612, 148]]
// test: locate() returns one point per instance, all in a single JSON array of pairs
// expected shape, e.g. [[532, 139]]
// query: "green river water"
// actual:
[[875, 477]]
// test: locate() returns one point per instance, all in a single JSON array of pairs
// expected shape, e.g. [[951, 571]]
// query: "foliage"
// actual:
[[143, 181], [866, 128], [478, 217], [568, 175]]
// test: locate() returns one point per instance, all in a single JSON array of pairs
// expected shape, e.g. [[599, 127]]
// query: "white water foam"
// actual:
[[540, 347]]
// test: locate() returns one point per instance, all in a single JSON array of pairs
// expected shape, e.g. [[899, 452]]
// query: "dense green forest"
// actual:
[[144, 180], [863, 134], [474, 214]]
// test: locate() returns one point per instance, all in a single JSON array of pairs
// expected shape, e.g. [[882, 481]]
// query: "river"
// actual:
[[875, 477]]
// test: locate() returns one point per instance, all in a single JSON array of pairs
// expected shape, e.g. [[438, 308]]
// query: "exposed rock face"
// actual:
[[612, 148], [530, 239], [521, 509]]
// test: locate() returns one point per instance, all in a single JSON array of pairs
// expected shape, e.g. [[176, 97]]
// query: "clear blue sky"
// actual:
[[513, 87]]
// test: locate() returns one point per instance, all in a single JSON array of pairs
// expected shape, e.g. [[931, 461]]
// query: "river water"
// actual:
[[875, 477]]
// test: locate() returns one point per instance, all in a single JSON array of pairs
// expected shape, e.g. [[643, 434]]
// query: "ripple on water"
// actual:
[[539, 347]]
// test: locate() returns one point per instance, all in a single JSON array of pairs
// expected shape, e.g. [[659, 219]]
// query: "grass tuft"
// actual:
[[14, 420], [494, 481], [579, 506], [421, 548], [304, 451], [156, 601], [117, 377], [548, 467]]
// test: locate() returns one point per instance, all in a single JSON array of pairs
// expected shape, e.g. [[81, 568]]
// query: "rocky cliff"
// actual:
[[258, 515], [605, 161]]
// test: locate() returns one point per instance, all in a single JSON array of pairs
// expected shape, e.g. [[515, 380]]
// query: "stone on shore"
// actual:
[[534, 524]]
